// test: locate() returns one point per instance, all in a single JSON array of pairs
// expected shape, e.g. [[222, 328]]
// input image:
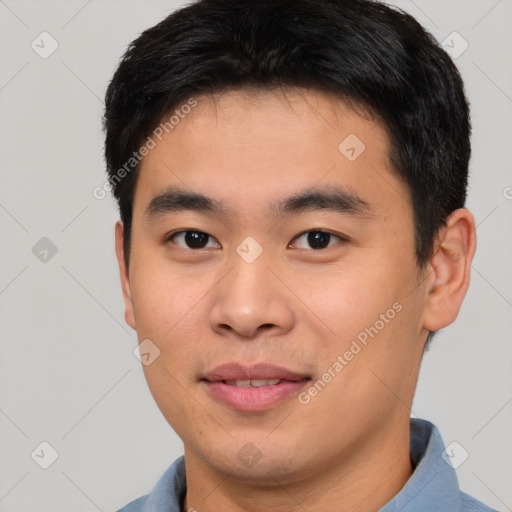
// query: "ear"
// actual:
[[124, 275], [449, 271]]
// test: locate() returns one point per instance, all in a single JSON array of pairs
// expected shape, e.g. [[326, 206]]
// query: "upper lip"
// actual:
[[237, 371]]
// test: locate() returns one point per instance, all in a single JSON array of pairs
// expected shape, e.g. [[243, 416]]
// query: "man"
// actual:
[[291, 177]]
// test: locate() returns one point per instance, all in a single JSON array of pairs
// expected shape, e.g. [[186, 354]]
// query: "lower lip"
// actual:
[[255, 399]]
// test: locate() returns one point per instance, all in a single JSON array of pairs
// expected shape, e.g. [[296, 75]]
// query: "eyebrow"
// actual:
[[329, 197]]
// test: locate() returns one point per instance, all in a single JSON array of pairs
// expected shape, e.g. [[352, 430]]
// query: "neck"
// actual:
[[365, 481]]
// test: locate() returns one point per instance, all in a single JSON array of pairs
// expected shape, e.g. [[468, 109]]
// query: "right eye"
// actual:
[[193, 239]]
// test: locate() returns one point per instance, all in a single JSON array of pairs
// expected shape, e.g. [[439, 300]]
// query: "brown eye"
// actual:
[[318, 239], [192, 239]]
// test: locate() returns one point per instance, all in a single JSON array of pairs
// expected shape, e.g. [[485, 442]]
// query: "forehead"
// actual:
[[276, 117], [246, 147]]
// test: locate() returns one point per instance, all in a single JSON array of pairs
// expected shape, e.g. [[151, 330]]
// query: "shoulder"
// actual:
[[470, 504], [134, 506], [166, 495]]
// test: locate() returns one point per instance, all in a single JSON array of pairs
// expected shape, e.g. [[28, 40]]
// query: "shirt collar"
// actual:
[[433, 484]]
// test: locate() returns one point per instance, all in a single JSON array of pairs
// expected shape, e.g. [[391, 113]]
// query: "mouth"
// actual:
[[253, 388], [252, 383]]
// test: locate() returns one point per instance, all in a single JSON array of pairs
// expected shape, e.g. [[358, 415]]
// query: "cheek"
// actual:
[[168, 312], [375, 349], [373, 321], [166, 300], [351, 300]]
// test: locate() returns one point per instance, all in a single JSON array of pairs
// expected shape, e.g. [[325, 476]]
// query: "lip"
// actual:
[[254, 398], [237, 371]]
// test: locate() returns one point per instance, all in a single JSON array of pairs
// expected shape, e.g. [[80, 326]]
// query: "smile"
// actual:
[[253, 388]]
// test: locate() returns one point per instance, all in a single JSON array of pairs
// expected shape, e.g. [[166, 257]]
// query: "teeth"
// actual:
[[258, 383], [239, 383], [253, 383]]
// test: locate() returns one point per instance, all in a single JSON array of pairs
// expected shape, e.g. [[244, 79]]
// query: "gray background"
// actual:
[[68, 375]]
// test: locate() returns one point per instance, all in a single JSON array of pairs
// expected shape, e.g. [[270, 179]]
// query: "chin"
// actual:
[[263, 465]]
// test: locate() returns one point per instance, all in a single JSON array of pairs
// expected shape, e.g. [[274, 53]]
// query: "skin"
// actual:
[[295, 306]]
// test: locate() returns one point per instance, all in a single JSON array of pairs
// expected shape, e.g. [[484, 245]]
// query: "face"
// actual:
[[289, 331]]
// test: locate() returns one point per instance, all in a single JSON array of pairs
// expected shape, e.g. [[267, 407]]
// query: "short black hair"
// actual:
[[364, 51]]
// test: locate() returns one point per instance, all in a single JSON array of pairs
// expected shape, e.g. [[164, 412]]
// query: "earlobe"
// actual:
[[450, 269], [124, 275]]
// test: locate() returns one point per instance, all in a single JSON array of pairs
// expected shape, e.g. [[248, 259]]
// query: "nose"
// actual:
[[251, 300]]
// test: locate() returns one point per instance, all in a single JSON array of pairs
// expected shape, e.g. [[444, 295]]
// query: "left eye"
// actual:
[[317, 239]]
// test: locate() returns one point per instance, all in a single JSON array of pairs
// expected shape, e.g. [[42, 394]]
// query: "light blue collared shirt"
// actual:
[[433, 486]]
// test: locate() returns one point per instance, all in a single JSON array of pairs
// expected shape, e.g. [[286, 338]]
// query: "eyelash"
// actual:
[[342, 238]]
